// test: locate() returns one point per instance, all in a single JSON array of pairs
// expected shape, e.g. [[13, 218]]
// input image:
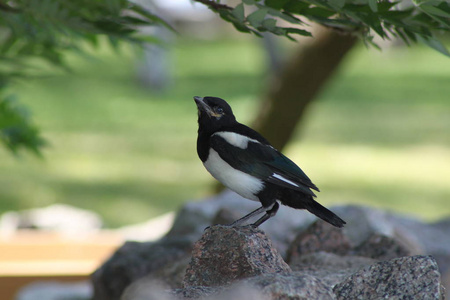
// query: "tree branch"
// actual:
[[214, 5]]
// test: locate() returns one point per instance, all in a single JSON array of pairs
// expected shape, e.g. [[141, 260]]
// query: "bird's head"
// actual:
[[213, 113]]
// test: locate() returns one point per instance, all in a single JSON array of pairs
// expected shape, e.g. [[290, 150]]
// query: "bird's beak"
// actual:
[[202, 106]]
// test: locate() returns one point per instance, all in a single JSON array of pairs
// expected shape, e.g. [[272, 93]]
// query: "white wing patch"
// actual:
[[236, 139], [278, 176]]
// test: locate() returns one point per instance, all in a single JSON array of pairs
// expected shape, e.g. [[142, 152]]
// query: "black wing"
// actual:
[[264, 162]]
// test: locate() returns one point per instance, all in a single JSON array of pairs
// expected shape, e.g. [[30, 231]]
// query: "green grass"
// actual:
[[378, 135]]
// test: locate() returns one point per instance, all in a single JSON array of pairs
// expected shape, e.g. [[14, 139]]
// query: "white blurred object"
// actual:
[[58, 217], [179, 9], [148, 231]]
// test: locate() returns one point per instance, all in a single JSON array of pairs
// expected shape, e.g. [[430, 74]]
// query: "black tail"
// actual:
[[299, 200], [324, 213]]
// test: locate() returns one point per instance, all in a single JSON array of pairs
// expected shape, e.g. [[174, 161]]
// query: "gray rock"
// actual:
[[172, 275], [382, 247], [320, 236], [328, 267], [263, 287], [329, 261], [133, 261], [288, 286], [197, 292], [147, 289], [413, 277], [363, 221], [446, 284], [225, 254], [434, 237], [156, 284]]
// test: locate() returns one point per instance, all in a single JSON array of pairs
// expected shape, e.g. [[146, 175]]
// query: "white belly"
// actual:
[[243, 184]]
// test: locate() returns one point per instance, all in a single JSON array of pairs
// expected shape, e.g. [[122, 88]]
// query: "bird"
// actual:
[[246, 163]]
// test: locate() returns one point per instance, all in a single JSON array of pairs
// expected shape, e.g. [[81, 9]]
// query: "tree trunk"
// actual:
[[298, 83]]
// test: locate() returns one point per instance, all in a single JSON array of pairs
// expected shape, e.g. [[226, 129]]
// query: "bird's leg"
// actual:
[[270, 213], [248, 216]]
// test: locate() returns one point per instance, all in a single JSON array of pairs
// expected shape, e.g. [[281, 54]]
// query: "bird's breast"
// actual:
[[242, 183]]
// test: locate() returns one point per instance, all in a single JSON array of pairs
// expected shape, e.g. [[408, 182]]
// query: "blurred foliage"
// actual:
[[44, 30], [414, 21], [16, 130]]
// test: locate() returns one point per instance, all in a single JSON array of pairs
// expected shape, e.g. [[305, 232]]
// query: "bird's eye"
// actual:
[[219, 110]]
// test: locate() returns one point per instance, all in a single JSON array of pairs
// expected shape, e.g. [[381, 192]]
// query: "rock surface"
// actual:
[[320, 236], [134, 261], [328, 267], [382, 247], [225, 254], [291, 286], [414, 277]]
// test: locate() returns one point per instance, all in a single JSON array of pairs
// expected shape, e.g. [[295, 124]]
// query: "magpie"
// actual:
[[245, 162]]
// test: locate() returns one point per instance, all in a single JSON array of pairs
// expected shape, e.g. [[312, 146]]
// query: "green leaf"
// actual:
[[238, 12], [433, 43], [296, 7], [298, 31], [249, 2], [386, 5], [434, 10], [373, 5], [319, 12], [403, 36], [269, 24], [150, 16], [337, 4], [370, 20], [257, 17], [281, 15], [276, 4]]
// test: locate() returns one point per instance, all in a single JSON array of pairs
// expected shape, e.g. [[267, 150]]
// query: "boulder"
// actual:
[[382, 247], [328, 267], [320, 236], [147, 289], [413, 277], [136, 260], [196, 292], [225, 254], [269, 286], [283, 286]]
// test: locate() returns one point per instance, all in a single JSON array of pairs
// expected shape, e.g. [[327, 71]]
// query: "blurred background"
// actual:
[[121, 125]]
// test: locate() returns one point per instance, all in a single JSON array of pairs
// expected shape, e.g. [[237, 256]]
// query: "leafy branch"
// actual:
[[415, 22], [45, 30]]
